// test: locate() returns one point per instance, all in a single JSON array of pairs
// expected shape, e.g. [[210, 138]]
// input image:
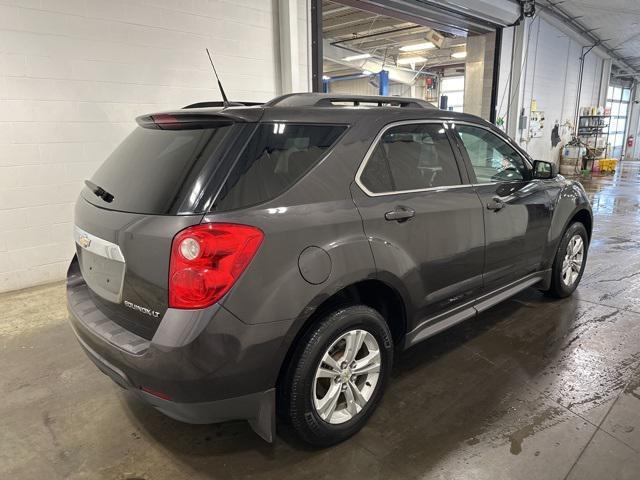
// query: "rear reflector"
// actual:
[[207, 259], [156, 393]]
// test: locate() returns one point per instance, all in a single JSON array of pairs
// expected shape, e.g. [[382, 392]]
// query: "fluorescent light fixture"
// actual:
[[360, 56], [410, 60], [326, 77], [417, 47], [459, 54], [367, 72]]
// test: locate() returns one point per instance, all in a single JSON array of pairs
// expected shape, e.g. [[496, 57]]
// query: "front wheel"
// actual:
[[338, 375], [570, 260]]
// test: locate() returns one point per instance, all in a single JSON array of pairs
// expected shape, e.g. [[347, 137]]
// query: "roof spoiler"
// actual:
[[222, 104]]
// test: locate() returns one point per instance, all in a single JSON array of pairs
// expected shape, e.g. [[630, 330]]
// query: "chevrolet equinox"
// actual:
[[237, 261]]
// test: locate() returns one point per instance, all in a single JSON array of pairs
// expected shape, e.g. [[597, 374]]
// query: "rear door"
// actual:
[[423, 218], [517, 209]]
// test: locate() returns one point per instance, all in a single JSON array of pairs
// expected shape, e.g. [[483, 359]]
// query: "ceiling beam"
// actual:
[[397, 40], [390, 41], [330, 9], [353, 17], [386, 33], [381, 26]]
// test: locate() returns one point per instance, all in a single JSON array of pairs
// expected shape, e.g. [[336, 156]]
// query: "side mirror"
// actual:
[[544, 170]]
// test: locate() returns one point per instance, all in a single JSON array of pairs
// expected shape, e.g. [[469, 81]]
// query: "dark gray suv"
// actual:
[[237, 261]]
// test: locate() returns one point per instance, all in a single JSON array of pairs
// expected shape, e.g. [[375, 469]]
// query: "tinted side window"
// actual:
[[277, 156], [411, 157], [493, 159]]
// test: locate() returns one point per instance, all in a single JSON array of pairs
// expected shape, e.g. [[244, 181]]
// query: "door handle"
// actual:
[[400, 214], [496, 204]]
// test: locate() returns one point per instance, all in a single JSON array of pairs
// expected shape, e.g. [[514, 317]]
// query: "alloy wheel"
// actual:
[[572, 263], [346, 376]]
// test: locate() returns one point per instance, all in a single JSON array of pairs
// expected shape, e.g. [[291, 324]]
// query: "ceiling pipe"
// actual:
[[583, 55]]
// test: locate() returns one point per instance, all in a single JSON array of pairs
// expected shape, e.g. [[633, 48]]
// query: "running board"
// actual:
[[437, 324], [500, 295], [441, 322]]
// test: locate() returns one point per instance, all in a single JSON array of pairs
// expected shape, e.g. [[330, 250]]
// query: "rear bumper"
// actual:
[[203, 366], [257, 408]]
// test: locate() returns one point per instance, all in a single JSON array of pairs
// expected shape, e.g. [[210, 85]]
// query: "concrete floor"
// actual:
[[533, 388]]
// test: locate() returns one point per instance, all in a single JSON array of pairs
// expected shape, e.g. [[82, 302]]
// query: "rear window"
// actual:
[[277, 156], [157, 171]]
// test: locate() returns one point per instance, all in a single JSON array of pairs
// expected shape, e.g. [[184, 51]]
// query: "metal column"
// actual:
[[496, 76], [316, 45], [383, 79]]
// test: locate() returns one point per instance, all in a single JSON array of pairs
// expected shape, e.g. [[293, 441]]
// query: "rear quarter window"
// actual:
[[276, 157]]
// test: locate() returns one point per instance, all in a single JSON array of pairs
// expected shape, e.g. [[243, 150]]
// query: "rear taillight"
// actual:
[[207, 259]]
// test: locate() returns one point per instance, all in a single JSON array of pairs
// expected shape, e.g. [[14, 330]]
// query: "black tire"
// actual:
[[558, 287], [297, 388]]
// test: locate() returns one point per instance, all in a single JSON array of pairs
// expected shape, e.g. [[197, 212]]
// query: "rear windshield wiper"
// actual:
[[99, 191]]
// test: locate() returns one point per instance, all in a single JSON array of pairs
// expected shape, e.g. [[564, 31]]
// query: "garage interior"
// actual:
[[531, 389], [371, 53]]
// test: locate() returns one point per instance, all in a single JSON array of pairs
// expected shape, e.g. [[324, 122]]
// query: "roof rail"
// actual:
[[221, 104], [370, 101], [330, 100]]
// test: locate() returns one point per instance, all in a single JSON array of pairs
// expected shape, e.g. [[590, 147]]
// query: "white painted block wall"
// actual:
[[73, 76], [550, 77], [552, 81]]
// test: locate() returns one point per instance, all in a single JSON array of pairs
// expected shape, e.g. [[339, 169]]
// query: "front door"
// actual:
[[422, 217], [517, 209]]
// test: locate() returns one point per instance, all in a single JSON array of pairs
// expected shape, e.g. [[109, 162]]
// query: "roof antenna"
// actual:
[[225, 100]]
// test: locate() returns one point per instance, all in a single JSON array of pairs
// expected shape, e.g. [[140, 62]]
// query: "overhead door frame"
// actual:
[[439, 15]]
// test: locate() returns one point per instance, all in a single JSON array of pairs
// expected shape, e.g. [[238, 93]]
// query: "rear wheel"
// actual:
[[338, 375], [570, 260]]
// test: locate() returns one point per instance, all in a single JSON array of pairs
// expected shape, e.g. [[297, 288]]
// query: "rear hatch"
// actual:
[[160, 180]]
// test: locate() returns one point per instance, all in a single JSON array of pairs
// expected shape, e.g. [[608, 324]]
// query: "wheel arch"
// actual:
[[583, 216], [371, 292], [570, 204]]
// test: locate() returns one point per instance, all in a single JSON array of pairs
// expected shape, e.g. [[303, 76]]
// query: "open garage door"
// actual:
[[442, 52], [462, 17]]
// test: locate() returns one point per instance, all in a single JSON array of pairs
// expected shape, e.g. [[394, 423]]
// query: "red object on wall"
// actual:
[[630, 141]]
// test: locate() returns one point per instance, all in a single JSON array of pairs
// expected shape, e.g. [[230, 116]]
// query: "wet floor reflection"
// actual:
[[617, 193]]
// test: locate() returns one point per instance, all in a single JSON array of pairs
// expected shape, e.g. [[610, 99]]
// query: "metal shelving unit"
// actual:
[[593, 132]]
